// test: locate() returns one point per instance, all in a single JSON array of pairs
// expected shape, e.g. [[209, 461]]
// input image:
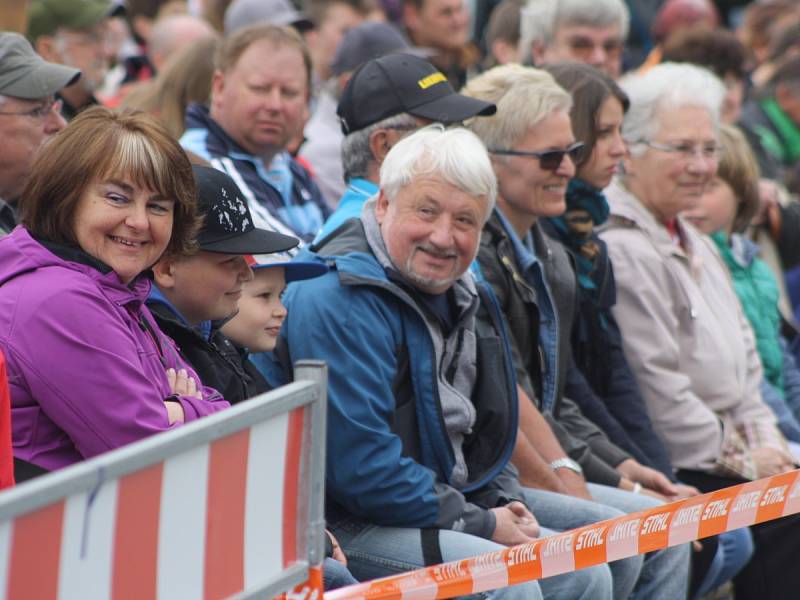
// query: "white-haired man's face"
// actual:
[[600, 47], [431, 229]]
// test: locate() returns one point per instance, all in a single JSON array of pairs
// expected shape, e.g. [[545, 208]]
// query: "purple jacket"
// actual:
[[86, 361]]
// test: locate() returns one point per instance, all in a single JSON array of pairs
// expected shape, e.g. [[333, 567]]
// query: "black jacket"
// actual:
[[581, 439], [218, 363]]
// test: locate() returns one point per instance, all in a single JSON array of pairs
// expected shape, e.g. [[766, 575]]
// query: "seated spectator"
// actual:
[[29, 116], [422, 398], [771, 121], [255, 327], [442, 26], [725, 212], [683, 330], [719, 51], [89, 369], [615, 403], [383, 102], [194, 294], [332, 19], [74, 33], [587, 31], [259, 101], [502, 34], [172, 33], [322, 149], [184, 80], [534, 284]]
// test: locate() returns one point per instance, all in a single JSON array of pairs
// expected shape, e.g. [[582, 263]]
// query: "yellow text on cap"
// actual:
[[430, 80]]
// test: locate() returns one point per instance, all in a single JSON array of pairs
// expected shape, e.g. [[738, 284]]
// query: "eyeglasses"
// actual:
[[583, 47], [38, 113], [549, 160], [710, 151]]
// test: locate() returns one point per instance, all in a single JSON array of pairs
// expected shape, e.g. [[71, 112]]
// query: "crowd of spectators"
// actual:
[[548, 250]]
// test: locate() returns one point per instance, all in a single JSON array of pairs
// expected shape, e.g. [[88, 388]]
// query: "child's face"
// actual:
[[261, 312], [206, 286], [716, 209]]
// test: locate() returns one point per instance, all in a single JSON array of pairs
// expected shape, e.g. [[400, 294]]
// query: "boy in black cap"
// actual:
[[194, 295]]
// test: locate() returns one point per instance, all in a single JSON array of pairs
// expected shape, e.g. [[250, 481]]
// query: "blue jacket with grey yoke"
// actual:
[[390, 460]]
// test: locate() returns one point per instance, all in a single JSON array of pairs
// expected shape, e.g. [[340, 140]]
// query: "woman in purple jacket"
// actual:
[[88, 369]]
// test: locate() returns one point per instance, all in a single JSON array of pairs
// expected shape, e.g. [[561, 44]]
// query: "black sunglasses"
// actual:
[[549, 160]]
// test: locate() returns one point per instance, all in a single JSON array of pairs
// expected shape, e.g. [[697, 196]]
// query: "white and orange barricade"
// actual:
[[228, 506], [667, 525]]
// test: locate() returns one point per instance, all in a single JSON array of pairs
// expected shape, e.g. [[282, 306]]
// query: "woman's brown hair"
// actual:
[[739, 169], [103, 144], [589, 88]]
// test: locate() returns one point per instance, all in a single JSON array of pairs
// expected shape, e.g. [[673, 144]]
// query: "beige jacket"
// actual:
[[687, 341]]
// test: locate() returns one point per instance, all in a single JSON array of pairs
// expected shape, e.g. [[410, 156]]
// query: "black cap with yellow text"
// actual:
[[402, 83]]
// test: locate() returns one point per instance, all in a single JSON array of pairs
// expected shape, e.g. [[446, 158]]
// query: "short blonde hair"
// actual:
[[524, 96]]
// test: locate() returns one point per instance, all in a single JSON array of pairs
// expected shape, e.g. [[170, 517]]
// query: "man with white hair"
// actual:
[[422, 403], [587, 31]]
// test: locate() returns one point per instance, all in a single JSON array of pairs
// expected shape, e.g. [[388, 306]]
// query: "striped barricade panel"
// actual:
[[667, 525], [215, 509]]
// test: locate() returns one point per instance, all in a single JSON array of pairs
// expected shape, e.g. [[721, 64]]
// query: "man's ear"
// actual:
[[381, 206], [538, 54], [45, 46], [217, 87], [410, 16], [380, 144], [164, 273]]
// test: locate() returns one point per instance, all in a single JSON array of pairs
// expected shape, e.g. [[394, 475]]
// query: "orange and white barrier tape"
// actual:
[[667, 525]]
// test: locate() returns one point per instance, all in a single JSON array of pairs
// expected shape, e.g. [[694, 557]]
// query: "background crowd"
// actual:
[[549, 250]]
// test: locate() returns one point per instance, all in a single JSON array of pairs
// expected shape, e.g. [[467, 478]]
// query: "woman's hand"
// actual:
[[175, 412], [771, 461], [182, 385], [337, 549]]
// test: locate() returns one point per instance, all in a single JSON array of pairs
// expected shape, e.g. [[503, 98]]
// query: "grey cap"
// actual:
[[243, 13], [24, 74], [371, 39]]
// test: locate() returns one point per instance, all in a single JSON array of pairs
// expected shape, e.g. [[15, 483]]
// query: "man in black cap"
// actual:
[[323, 144], [195, 295], [386, 99], [29, 115]]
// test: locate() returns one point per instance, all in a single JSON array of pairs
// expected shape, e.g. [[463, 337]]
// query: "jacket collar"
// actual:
[[627, 210]]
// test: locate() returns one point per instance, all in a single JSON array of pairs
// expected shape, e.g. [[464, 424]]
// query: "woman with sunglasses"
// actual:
[[533, 151], [683, 330]]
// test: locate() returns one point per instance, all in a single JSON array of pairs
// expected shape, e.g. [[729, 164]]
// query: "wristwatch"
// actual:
[[566, 463]]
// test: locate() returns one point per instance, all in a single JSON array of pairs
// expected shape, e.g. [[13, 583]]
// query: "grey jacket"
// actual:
[[687, 340]]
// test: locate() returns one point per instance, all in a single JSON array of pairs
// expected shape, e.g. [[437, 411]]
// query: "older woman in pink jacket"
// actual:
[[684, 333]]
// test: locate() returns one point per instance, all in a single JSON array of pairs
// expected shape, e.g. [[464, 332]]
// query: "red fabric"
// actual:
[[6, 456]]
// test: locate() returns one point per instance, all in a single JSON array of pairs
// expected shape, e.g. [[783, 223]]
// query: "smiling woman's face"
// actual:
[[669, 182], [124, 225]]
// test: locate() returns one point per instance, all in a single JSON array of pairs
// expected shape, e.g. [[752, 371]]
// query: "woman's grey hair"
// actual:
[[668, 85], [456, 155], [524, 97], [356, 153], [540, 19]]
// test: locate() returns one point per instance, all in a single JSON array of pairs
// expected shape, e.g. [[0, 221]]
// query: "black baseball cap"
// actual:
[[403, 83], [227, 225]]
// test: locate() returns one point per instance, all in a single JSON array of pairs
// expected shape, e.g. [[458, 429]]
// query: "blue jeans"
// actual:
[[375, 551], [336, 575], [733, 552], [660, 575]]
